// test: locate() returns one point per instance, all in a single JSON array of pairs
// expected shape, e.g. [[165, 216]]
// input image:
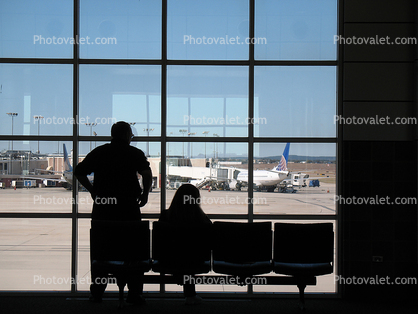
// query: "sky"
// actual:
[[289, 101]]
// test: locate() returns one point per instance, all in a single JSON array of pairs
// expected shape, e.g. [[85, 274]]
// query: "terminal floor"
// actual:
[[46, 305]]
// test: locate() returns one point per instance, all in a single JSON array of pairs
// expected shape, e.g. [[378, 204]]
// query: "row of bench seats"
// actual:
[[298, 251]]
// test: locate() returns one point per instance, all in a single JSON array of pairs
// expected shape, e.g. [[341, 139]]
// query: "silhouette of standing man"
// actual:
[[116, 191]]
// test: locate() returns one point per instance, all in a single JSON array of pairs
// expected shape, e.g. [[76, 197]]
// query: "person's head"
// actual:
[[185, 205], [187, 194], [121, 132]]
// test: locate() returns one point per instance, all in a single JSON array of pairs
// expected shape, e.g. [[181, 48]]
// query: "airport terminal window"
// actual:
[[83, 255], [115, 31], [35, 177], [35, 254], [213, 174], [110, 93], [38, 98], [303, 99], [210, 99], [205, 109], [296, 30], [325, 284], [28, 29], [309, 189], [207, 30], [151, 150]]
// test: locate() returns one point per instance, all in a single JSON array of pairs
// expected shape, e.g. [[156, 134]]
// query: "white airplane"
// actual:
[[265, 179], [68, 170], [67, 174]]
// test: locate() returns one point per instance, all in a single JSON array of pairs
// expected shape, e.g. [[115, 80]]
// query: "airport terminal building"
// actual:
[[300, 112]]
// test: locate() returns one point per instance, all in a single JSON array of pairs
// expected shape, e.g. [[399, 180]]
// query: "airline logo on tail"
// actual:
[[67, 165], [282, 166]]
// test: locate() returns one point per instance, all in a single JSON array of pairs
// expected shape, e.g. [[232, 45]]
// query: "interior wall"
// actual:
[[379, 160]]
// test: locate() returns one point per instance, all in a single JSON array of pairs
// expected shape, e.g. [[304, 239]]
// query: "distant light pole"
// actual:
[[216, 147], [148, 131], [12, 115], [183, 131], [191, 144], [95, 134], [38, 118], [168, 146], [91, 125], [206, 133]]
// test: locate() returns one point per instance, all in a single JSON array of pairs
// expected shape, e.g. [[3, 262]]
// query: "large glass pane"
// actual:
[[35, 254], [209, 30], [306, 185], [207, 101], [295, 101], [213, 174], [36, 99], [324, 284], [208, 288], [296, 30], [153, 152], [84, 269], [115, 30], [36, 176], [36, 29], [111, 93]]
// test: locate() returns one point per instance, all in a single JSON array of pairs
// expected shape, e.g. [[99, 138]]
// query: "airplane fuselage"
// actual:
[[263, 177], [68, 177]]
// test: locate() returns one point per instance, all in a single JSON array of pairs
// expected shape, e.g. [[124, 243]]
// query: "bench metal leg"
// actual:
[[121, 299], [121, 284], [302, 287]]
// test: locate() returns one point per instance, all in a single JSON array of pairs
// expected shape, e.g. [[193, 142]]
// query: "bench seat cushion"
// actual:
[[182, 268], [302, 269], [179, 248], [112, 266], [242, 249], [242, 269]]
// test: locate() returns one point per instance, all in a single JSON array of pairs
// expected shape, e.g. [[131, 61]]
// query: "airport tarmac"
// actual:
[[36, 253], [306, 200]]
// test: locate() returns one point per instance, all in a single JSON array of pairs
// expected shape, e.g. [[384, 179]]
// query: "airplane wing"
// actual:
[[50, 171], [40, 178]]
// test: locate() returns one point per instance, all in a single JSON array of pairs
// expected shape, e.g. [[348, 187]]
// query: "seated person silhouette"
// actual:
[[185, 209], [116, 191]]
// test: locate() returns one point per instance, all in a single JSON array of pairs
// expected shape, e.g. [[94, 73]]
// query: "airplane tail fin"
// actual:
[[67, 165], [282, 166]]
